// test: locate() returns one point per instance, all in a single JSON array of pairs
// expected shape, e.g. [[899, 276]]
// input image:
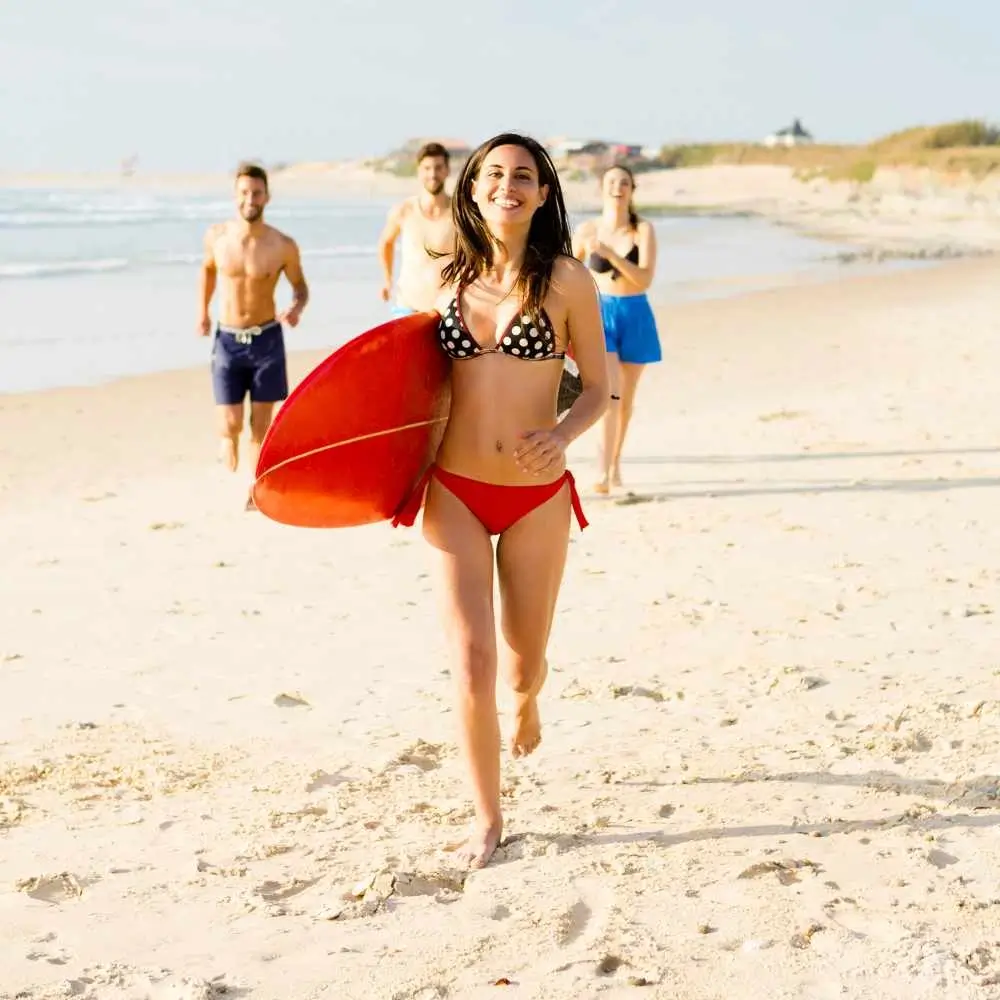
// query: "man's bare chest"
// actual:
[[258, 262]]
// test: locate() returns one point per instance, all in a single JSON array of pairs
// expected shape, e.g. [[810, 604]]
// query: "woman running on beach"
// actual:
[[620, 250], [514, 300]]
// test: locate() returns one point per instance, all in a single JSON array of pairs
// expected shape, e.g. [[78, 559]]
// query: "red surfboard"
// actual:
[[357, 433]]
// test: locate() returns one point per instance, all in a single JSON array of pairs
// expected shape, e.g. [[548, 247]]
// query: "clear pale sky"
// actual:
[[199, 84]]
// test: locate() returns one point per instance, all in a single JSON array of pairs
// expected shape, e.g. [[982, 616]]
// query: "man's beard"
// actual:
[[434, 187], [252, 214]]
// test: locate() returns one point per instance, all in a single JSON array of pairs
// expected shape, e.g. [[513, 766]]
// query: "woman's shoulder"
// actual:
[[569, 268], [570, 275]]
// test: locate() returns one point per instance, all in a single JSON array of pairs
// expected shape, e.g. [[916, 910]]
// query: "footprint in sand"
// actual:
[[572, 924], [323, 779], [786, 870], [371, 893], [941, 859], [636, 691], [384, 884], [53, 955], [424, 756], [290, 700], [11, 811], [53, 889], [439, 883], [273, 891], [581, 928]]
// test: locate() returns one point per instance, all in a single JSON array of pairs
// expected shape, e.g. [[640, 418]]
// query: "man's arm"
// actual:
[[207, 279], [387, 247], [300, 290]]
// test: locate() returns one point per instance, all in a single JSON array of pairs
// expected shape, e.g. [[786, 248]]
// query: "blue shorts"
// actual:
[[630, 329], [397, 311], [254, 365]]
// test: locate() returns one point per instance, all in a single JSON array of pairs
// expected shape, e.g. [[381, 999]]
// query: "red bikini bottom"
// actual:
[[497, 507]]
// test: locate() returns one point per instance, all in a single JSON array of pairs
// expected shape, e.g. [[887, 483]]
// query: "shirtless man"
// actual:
[[248, 353], [424, 222]]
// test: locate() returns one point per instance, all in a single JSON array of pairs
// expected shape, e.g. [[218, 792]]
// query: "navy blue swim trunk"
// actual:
[[249, 361]]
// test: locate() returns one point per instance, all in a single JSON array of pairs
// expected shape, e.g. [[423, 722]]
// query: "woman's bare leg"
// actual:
[[531, 556], [609, 427], [628, 383], [466, 575]]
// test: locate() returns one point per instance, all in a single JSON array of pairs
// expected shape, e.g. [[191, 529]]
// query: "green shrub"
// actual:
[[966, 133], [695, 155]]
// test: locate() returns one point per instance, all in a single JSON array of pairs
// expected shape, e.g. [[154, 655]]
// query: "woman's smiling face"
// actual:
[[506, 190]]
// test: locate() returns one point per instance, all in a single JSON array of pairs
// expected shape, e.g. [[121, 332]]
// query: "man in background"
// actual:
[[422, 222], [248, 352]]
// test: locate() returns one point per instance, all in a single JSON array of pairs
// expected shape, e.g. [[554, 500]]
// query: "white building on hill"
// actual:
[[793, 135]]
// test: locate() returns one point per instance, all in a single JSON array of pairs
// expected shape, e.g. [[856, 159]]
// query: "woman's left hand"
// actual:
[[540, 451]]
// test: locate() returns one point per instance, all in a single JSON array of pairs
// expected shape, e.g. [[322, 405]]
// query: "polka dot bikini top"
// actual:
[[522, 338]]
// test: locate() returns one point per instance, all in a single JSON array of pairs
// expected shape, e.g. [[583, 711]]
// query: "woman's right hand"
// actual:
[[540, 451], [594, 244]]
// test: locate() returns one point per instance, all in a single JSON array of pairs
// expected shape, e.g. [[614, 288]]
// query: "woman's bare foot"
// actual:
[[616, 476], [481, 845], [527, 721], [602, 487], [229, 454], [527, 727]]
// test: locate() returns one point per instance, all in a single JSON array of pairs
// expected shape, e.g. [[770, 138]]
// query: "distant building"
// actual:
[[564, 149], [593, 155], [793, 135], [564, 146], [625, 151]]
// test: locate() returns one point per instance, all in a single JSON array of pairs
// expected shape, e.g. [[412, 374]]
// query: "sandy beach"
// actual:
[[770, 759]]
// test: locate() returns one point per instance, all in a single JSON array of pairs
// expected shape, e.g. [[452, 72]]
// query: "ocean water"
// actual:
[[103, 284]]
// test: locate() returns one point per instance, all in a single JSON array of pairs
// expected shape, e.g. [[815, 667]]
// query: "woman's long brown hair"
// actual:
[[548, 237]]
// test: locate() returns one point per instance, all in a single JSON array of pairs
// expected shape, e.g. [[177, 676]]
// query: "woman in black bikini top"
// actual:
[[521, 338], [514, 294], [601, 265], [630, 329]]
